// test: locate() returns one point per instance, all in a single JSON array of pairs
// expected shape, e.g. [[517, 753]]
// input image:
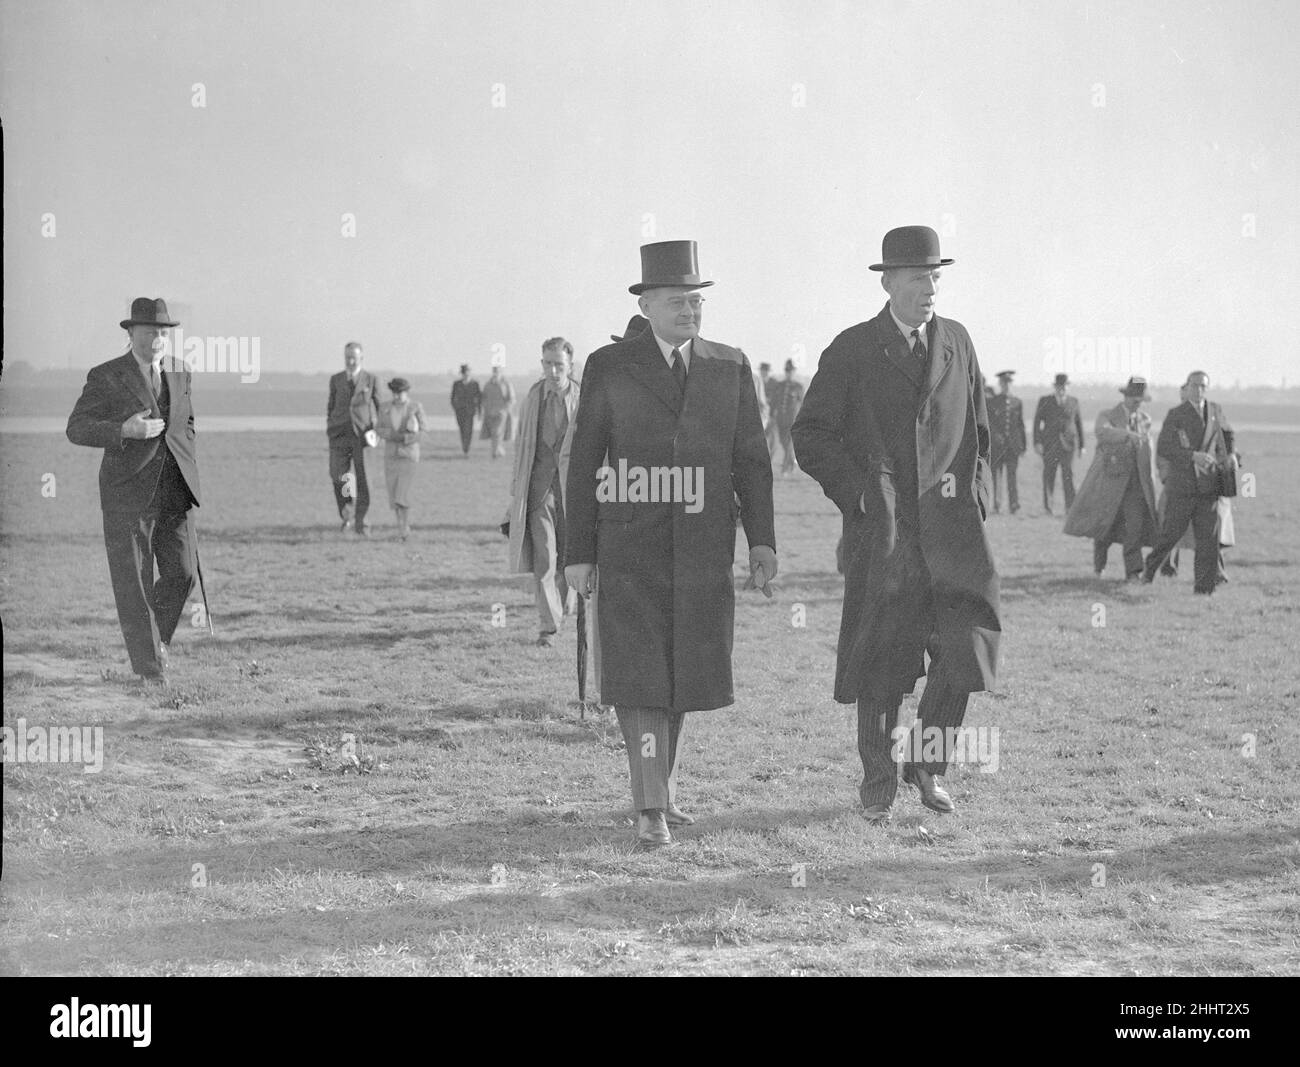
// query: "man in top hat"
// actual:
[[1058, 431], [1006, 441], [139, 413], [895, 429], [537, 489], [668, 445], [1117, 500], [786, 399], [466, 402], [1198, 444], [350, 418]]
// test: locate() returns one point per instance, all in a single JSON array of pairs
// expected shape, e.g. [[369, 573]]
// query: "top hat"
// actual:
[[1007, 374], [635, 327], [910, 246], [1136, 387], [399, 385], [1061, 379], [148, 311], [667, 263]]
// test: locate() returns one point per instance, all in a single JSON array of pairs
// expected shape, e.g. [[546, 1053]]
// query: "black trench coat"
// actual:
[[665, 592], [917, 445]]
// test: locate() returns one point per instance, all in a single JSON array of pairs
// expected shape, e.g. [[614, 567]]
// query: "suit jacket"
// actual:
[[1184, 433], [404, 442], [1006, 427], [352, 409], [914, 441], [466, 396], [786, 397], [131, 469], [1058, 426], [667, 598]]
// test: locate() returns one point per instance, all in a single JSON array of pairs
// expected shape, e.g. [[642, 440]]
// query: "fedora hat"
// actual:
[[1061, 379], [1137, 387], [635, 327], [910, 246], [666, 263], [148, 311], [399, 385]]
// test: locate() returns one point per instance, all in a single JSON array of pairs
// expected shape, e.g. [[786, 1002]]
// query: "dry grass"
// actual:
[[491, 834]]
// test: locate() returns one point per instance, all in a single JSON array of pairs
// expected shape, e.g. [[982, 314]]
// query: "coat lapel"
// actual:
[[1211, 425], [896, 348], [128, 373], [649, 367], [940, 346]]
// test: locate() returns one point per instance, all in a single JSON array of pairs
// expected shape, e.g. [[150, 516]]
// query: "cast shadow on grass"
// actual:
[[654, 893]]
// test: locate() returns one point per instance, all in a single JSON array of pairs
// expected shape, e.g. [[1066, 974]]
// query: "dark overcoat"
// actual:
[[131, 468], [664, 573], [1118, 458], [915, 441]]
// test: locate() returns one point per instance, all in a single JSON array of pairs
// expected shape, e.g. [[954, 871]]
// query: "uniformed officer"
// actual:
[[1007, 441]]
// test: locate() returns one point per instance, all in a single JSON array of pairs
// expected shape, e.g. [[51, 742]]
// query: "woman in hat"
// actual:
[[401, 422]]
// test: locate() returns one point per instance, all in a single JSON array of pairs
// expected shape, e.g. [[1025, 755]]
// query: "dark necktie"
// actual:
[[679, 369], [918, 348], [552, 431]]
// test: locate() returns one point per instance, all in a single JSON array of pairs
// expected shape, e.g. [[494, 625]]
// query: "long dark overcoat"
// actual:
[[664, 573], [1118, 456], [915, 441]]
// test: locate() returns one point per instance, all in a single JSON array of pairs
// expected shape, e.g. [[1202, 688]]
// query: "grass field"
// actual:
[[1142, 818]]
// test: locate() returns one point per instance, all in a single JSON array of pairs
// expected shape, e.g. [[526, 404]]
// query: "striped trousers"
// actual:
[[941, 707], [651, 736]]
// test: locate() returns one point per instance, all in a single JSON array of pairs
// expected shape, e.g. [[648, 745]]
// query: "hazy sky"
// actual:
[[1099, 171]]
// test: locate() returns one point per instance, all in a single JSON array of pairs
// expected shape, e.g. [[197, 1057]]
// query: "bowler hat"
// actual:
[[910, 246], [464, 368], [635, 327], [1061, 379], [399, 385], [1007, 374], [667, 263], [148, 311], [1136, 387]]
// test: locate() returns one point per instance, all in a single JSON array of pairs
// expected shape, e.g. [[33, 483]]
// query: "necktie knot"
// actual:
[[918, 344]]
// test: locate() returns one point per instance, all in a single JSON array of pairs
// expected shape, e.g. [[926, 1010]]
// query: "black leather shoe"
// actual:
[[676, 817], [933, 795], [878, 813], [652, 830]]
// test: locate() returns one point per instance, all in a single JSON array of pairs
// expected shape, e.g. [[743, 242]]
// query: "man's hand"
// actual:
[[762, 569], [581, 577], [140, 428]]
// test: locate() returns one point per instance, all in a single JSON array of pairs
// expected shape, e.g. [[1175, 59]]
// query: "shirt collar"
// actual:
[[905, 329], [684, 348]]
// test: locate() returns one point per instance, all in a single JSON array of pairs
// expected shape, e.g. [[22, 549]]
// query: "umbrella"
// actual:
[[582, 656]]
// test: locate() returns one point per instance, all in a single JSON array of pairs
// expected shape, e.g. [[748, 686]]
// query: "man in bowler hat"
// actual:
[[1006, 441], [139, 413], [669, 409], [350, 419], [895, 429], [1058, 431]]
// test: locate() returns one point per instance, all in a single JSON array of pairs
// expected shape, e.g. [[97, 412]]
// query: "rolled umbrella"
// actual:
[[582, 657]]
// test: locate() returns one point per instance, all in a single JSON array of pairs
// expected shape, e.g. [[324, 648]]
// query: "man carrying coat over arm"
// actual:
[[667, 445], [894, 428]]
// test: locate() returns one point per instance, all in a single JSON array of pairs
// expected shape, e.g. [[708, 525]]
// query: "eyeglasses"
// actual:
[[680, 303]]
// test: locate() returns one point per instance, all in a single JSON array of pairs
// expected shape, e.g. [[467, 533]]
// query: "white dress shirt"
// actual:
[[684, 348]]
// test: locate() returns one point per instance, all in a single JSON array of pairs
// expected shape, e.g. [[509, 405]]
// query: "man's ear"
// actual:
[[643, 305]]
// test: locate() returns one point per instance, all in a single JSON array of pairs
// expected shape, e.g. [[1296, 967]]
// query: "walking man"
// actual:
[[350, 419], [1058, 431]]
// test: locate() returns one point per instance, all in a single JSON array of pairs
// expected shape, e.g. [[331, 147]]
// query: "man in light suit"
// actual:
[[537, 490], [1058, 431], [350, 419], [139, 413], [1198, 444], [894, 428], [667, 449]]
